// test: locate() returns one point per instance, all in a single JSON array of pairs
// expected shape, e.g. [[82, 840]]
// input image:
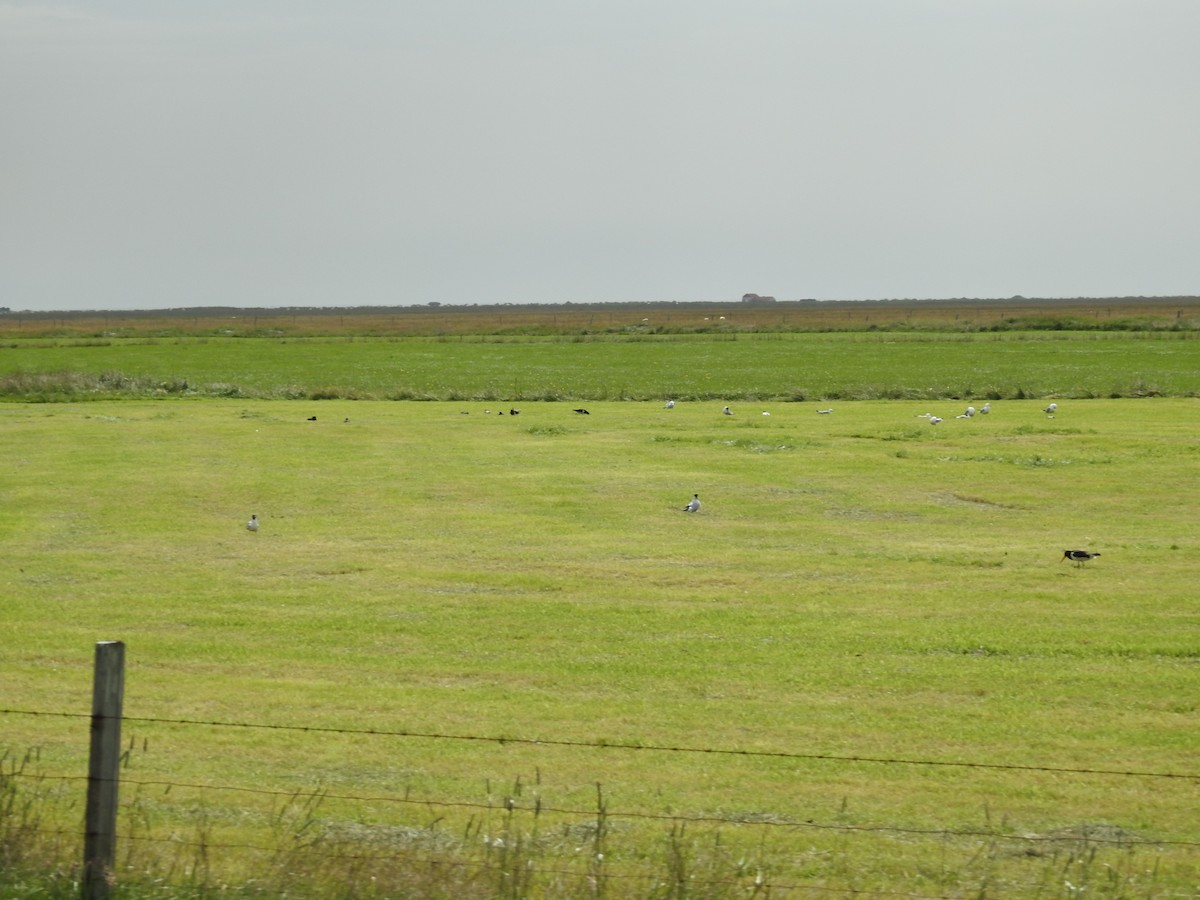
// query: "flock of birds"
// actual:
[[1079, 557], [969, 413]]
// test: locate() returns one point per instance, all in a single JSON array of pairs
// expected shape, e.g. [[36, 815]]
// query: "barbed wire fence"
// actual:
[[510, 804], [350, 848], [620, 745]]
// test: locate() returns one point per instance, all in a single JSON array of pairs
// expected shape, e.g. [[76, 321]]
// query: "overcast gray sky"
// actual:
[[165, 153]]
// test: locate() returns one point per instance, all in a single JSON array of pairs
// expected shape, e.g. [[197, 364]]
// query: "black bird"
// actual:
[[514, 412], [583, 412], [1079, 557], [312, 418]]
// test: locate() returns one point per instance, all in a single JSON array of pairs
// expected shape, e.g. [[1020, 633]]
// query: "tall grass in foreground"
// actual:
[[512, 848]]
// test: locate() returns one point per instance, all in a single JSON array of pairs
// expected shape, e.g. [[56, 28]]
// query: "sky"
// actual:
[[272, 153]]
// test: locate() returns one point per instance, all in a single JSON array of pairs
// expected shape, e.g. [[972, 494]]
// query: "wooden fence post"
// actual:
[[100, 830]]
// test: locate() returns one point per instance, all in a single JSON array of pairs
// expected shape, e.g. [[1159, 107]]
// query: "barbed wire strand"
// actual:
[[618, 745], [511, 806]]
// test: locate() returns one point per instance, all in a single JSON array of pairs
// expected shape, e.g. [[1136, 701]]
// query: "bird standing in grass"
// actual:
[[1079, 557], [694, 505], [1051, 409], [986, 408], [728, 411], [252, 525]]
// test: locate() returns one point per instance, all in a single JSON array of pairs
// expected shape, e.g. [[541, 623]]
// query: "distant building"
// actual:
[[756, 299]]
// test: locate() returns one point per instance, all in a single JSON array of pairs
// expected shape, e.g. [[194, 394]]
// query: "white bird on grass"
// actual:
[[728, 411], [933, 420], [252, 525], [986, 408], [670, 404], [824, 412], [694, 505], [1051, 409]]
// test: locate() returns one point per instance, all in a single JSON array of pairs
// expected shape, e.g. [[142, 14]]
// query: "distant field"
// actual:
[[865, 667], [728, 367], [1014, 314]]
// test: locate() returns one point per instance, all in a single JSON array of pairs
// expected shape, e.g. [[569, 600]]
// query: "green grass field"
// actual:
[[864, 602], [731, 366]]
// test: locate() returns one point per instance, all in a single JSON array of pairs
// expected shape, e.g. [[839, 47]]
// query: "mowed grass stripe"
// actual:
[[745, 367]]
